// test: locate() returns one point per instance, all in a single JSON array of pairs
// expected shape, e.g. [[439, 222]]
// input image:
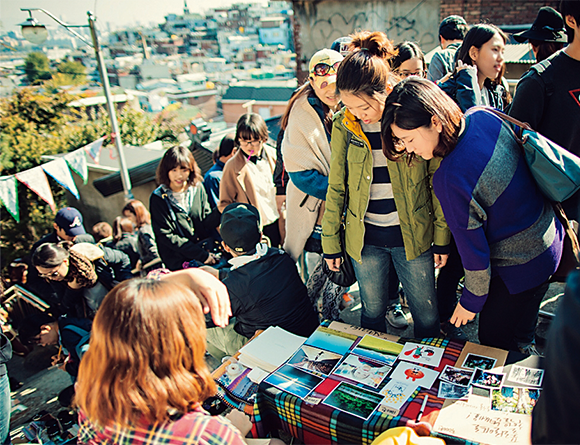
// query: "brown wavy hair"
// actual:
[[366, 69], [178, 156], [412, 104], [146, 355], [50, 255], [138, 209]]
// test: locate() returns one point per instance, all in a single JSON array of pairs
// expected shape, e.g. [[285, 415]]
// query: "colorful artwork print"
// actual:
[[315, 360], [423, 354], [456, 376], [329, 340], [473, 361], [378, 349], [293, 380], [397, 393], [362, 370], [412, 373], [487, 379], [514, 400], [450, 391], [526, 376], [353, 400]]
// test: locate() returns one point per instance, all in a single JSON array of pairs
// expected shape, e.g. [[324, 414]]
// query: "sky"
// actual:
[[118, 12]]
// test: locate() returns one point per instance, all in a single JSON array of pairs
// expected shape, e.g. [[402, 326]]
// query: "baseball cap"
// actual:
[[70, 220], [453, 27], [342, 45], [548, 27], [328, 57], [240, 227]]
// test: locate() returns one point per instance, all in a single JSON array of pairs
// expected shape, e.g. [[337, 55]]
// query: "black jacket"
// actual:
[[269, 292], [463, 88], [177, 233], [69, 339]]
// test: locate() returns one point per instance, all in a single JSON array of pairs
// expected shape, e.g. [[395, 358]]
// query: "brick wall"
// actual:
[[498, 12]]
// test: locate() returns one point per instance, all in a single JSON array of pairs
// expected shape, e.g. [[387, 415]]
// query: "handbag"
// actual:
[[555, 169], [345, 277]]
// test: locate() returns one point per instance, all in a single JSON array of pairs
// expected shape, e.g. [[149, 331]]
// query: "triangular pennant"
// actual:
[[94, 149], [36, 180], [77, 161], [60, 172], [9, 196]]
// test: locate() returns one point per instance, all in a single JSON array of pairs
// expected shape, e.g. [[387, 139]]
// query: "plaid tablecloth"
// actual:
[[321, 424]]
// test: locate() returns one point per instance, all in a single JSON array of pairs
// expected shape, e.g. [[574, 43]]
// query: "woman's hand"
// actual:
[[240, 420], [461, 316], [440, 260], [211, 259], [334, 263], [212, 293], [464, 66]]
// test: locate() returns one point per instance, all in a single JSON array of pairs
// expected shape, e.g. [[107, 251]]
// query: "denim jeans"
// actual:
[[5, 407], [417, 277]]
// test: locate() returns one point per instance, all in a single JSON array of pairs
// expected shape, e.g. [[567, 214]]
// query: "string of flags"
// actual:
[[59, 169]]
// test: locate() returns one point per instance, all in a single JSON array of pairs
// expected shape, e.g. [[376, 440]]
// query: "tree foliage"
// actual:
[[67, 73], [37, 68]]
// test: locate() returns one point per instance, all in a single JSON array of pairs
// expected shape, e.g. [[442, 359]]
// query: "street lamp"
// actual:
[[37, 33]]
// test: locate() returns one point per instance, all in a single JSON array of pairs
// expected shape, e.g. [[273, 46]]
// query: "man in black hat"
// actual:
[[263, 284], [547, 35], [452, 31], [548, 95]]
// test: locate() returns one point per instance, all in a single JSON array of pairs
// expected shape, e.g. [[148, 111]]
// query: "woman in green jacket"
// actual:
[[393, 218]]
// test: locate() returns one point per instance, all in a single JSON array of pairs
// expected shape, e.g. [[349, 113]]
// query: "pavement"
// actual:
[[42, 382]]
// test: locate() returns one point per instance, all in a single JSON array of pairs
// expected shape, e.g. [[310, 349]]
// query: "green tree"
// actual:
[[67, 73], [37, 68]]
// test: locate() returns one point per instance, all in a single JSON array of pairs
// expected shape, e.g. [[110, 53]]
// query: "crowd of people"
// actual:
[[381, 161]]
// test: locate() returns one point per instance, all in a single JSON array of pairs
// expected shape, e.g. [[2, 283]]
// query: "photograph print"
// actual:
[[316, 360], [514, 400], [353, 400], [378, 349], [292, 380], [487, 379], [362, 370], [473, 361], [456, 376], [526, 376], [450, 391]]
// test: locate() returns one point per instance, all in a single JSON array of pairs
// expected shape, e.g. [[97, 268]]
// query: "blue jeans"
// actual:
[[5, 407], [417, 277]]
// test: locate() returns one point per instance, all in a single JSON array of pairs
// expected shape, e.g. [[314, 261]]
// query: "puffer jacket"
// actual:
[[420, 214]]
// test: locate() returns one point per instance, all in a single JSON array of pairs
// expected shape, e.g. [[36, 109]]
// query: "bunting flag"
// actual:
[[36, 180], [9, 196], [77, 161], [60, 172], [94, 149]]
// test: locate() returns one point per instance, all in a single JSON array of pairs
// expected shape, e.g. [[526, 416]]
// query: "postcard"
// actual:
[[514, 400], [325, 339], [487, 379], [417, 374], [397, 393], [526, 376], [450, 391], [422, 354], [378, 349], [353, 400], [456, 376], [473, 361], [316, 360], [293, 380], [362, 370]]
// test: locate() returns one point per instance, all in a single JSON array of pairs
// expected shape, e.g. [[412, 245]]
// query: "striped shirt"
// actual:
[[382, 226], [194, 428], [501, 222]]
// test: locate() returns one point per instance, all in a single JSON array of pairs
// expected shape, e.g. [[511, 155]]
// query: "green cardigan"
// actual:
[[420, 214]]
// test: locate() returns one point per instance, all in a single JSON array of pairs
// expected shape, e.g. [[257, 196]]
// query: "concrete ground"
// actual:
[[42, 383]]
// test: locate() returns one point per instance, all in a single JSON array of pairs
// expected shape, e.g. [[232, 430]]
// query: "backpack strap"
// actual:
[[545, 75], [83, 344]]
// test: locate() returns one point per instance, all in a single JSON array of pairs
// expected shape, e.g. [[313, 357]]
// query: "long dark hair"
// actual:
[[412, 104], [406, 51], [365, 71]]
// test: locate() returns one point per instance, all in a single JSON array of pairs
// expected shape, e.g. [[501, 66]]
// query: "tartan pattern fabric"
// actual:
[[194, 428]]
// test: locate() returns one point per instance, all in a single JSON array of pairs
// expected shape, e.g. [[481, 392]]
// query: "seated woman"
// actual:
[[136, 211], [180, 213], [124, 239], [161, 380], [81, 274]]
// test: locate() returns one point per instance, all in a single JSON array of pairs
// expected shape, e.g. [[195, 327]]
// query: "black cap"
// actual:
[[548, 27], [453, 27], [70, 220], [240, 227], [342, 45]]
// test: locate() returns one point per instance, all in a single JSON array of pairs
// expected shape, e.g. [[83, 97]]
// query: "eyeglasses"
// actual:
[[322, 69], [254, 143], [50, 275], [404, 74]]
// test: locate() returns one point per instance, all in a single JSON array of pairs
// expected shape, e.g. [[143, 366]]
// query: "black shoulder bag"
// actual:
[[345, 277]]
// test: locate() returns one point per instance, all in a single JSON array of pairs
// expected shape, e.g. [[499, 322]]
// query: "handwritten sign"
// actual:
[[473, 420]]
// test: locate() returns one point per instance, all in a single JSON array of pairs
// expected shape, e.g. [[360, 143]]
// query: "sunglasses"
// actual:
[[322, 69], [49, 275]]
